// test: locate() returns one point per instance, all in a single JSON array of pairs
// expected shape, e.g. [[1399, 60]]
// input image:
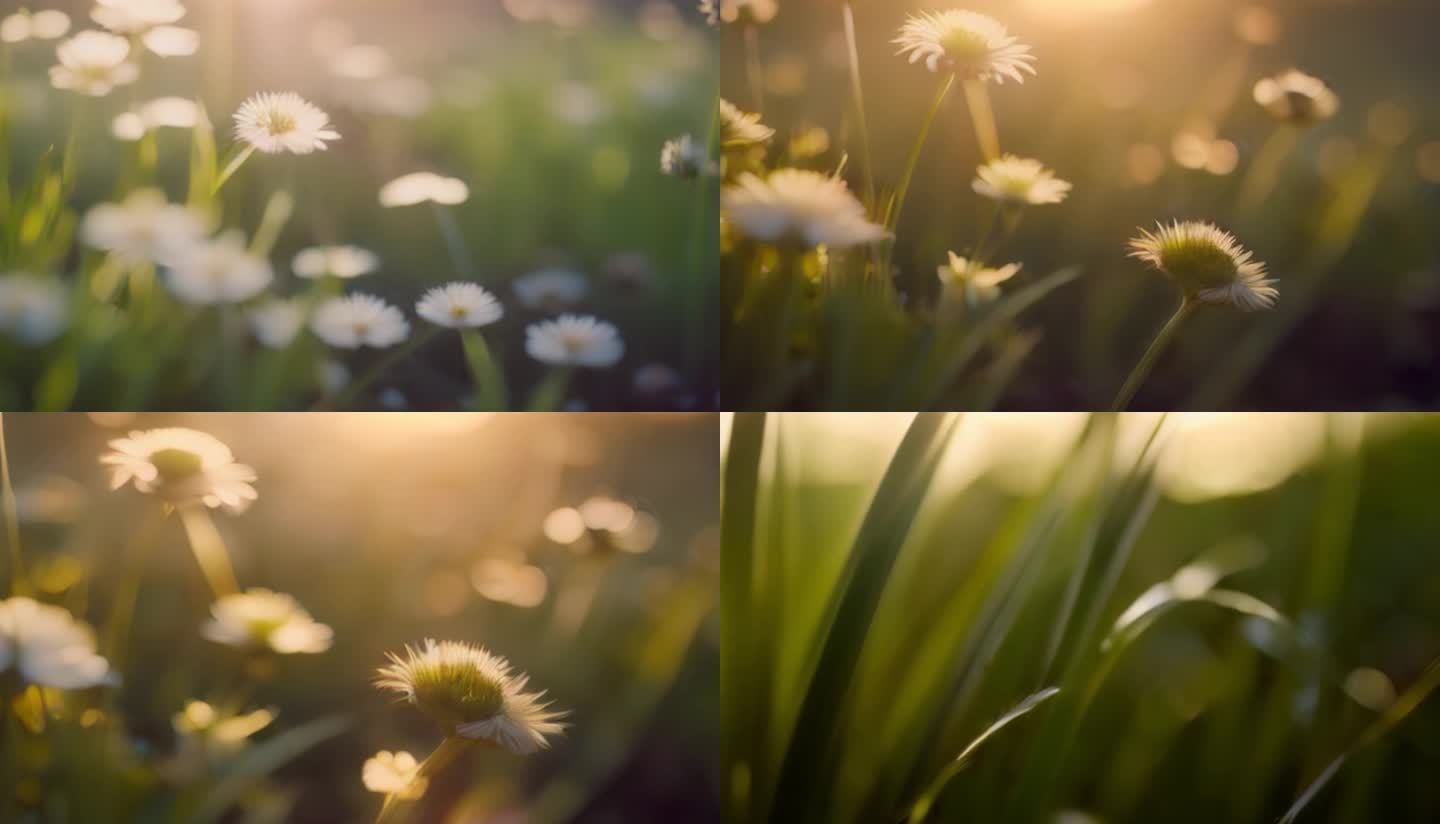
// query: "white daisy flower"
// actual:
[[41, 25], [45, 646], [1296, 97], [393, 773], [136, 16], [1207, 264], [342, 262], [684, 157], [283, 122], [971, 276], [423, 187], [551, 290], [181, 467], [1019, 181], [574, 340], [358, 320], [143, 228], [741, 128], [798, 207], [275, 323], [33, 310], [172, 41], [259, 619], [221, 271], [204, 730], [968, 44], [460, 306], [93, 63], [473, 694]]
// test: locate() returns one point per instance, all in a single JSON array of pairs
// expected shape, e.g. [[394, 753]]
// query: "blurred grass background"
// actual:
[[1126, 90], [555, 118], [895, 601], [381, 525]]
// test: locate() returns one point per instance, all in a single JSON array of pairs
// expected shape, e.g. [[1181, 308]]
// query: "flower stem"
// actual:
[[209, 549], [551, 391], [856, 92], [1264, 171], [754, 68], [892, 216], [122, 611], [444, 755], [19, 585], [983, 116], [278, 210], [489, 380], [454, 242], [238, 155], [1157, 347], [396, 355]]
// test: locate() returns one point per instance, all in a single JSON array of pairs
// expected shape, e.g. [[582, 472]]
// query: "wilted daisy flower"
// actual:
[[259, 619], [573, 340], [798, 207], [423, 187], [219, 271], [172, 41], [283, 122], [358, 320], [393, 773], [41, 25], [739, 11], [741, 128], [968, 44], [1020, 181], [342, 262], [460, 306], [683, 157], [1207, 263], [136, 16], [277, 322], [93, 63], [33, 310], [45, 646], [181, 466], [472, 694], [1296, 97], [143, 228], [551, 290], [972, 275]]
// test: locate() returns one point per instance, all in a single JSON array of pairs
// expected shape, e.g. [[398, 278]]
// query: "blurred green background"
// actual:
[[1145, 105], [387, 527]]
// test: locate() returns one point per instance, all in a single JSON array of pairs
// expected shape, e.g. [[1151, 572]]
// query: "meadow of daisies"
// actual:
[[1062, 618], [409, 618], [1078, 204], [332, 205]]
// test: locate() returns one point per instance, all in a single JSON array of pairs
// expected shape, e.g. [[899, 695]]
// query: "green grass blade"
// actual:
[[740, 491]]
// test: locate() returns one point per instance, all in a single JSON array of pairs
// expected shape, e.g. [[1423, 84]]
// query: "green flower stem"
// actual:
[[19, 584], [444, 755], [278, 210], [122, 610], [754, 68], [490, 395], [209, 549], [378, 371], [857, 93], [454, 241], [238, 155], [551, 391], [983, 117], [892, 215], [1264, 171], [1152, 355]]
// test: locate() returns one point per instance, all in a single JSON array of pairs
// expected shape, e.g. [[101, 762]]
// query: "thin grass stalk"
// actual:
[[490, 394], [754, 67], [739, 709], [857, 94], [897, 202], [209, 549], [239, 154], [455, 244], [1147, 362], [551, 391], [982, 115], [1264, 172], [19, 583]]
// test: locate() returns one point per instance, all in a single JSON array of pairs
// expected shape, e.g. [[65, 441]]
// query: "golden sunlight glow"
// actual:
[[1080, 9]]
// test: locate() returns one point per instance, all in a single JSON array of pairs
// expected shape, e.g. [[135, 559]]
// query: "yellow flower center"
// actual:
[[966, 48], [1198, 265], [278, 123], [457, 693], [176, 464]]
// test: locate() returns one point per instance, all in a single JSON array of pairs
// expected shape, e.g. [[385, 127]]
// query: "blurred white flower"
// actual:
[[507, 582], [143, 228], [1207, 264], [275, 323], [220, 271], [1019, 181], [393, 774], [741, 128], [799, 207], [136, 16], [342, 262], [33, 310], [358, 320], [275, 122], [684, 157], [472, 693], [423, 187], [574, 340], [172, 41], [578, 104], [259, 619], [44, 645], [551, 290], [460, 306], [746, 12], [181, 467], [41, 25], [203, 730], [394, 95], [360, 62], [973, 277], [968, 44], [1296, 97], [93, 63]]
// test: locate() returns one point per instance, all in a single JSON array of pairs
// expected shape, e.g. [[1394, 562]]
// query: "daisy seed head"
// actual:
[[1207, 264], [966, 43]]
